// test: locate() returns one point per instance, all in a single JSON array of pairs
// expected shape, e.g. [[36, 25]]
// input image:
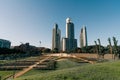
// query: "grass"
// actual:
[[67, 63], [5, 74], [64, 64], [61, 65], [100, 71]]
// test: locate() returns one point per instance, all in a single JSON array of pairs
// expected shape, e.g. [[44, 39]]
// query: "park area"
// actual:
[[61, 67]]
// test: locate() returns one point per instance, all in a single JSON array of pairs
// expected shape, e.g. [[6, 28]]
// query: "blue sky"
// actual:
[[33, 20]]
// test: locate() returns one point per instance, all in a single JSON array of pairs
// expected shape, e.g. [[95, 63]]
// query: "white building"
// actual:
[[5, 43], [83, 37]]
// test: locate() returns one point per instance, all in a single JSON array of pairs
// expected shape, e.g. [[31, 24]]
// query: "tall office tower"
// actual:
[[69, 43], [56, 36], [83, 37], [69, 29]]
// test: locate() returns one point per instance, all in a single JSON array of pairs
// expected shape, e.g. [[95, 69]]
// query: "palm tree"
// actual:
[[110, 47], [97, 48], [115, 47]]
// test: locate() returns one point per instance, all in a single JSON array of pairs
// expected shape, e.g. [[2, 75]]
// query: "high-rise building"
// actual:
[[69, 29], [69, 43], [83, 37], [56, 36]]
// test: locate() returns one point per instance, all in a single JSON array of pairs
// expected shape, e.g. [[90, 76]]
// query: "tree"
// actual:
[[46, 50], [100, 49], [75, 50], [79, 50], [110, 46], [55, 50], [115, 47], [96, 47], [84, 50]]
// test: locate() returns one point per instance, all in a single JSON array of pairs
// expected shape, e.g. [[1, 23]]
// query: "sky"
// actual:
[[32, 21]]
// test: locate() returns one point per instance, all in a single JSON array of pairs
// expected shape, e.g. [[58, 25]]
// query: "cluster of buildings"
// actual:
[[65, 44], [69, 42]]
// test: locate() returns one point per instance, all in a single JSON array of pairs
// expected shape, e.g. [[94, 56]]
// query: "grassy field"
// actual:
[[72, 71], [63, 64], [6, 73]]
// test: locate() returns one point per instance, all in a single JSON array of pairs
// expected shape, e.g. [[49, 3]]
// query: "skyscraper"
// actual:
[[83, 37], [69, 29], [56, 36], [69, 43]]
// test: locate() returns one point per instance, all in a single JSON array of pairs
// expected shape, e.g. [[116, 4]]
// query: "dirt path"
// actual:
[[27, 69], [61, 59], [74, 56], [85, 60]]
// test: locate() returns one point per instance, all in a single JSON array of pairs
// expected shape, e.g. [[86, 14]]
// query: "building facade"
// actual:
[[65, 44], [5, 43], [83, 37], [56, 37], [69, 43]]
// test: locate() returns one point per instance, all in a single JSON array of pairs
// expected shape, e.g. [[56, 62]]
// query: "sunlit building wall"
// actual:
[[83, 37]]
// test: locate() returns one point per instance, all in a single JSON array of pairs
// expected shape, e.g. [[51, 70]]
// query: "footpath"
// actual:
[[26, 69]]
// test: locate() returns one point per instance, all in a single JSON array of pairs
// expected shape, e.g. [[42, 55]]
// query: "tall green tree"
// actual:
[[96, 47], [115, 47], [100, 49], [99, 46], [110, 47]]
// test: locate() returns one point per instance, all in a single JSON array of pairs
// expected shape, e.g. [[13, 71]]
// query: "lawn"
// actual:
[[5, 74], [63, 64], [99, 71]]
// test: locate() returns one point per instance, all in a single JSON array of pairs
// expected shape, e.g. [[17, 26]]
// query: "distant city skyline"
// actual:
[[33, 20]]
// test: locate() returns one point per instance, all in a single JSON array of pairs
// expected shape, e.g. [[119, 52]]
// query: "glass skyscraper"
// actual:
[[56, 36], [69, 43]]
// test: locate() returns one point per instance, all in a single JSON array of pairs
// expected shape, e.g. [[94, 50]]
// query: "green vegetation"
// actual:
[[67, 63], [63, 64], [100, 71], [5, 74], [71, 69]]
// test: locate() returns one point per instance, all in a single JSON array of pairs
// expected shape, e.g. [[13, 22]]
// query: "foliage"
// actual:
[[101, 50], [75, 50], [55, 50], [92, 49], [101, 71], [6, 53], [46, 50], [31, 50], [5, 74], [24, 50], [115, 48]]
